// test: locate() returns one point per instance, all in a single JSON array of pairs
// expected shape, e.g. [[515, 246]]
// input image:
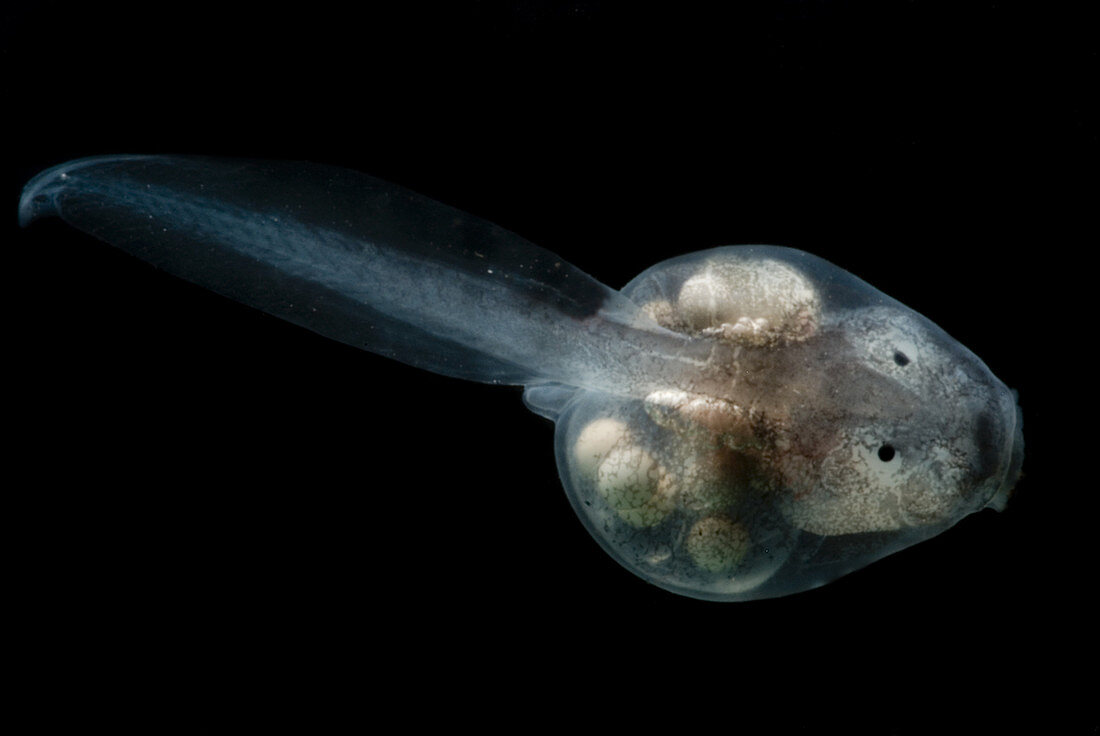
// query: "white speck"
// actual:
[[659, 555]]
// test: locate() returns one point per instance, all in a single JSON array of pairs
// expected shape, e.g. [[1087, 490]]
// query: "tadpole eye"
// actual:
[[886, 453], [901, 358]]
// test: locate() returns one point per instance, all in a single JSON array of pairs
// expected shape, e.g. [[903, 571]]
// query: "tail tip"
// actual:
[[39, 198]]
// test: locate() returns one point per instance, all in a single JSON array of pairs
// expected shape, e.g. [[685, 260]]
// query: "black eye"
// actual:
[[901, 358], [886, 453]]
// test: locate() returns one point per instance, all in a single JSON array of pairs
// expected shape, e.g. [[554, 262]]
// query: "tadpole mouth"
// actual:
[[1015, 460]]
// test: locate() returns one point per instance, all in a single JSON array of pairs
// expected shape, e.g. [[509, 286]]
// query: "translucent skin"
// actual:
[[738, 423]]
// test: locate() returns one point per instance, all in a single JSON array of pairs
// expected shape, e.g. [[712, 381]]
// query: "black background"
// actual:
[[230, 522]]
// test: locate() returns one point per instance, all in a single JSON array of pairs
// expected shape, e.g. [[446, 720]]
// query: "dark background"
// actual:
[[234, 522]]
